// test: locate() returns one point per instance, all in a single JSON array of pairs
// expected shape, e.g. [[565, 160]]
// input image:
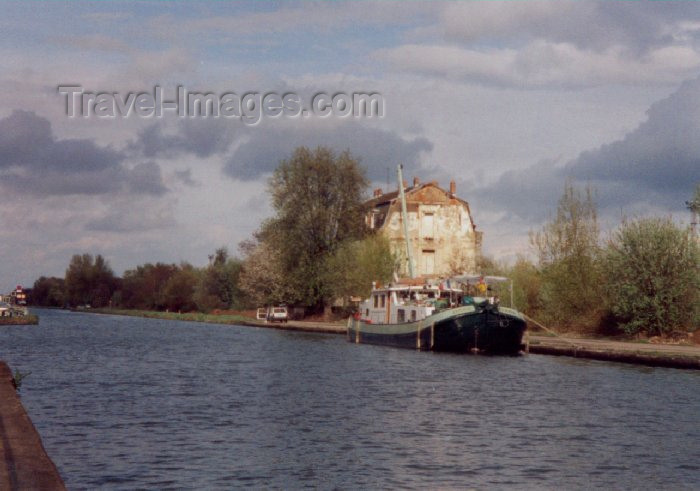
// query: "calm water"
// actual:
[[126, 403]]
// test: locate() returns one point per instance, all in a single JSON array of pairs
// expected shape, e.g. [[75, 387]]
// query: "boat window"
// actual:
[[376, 301], [401, 315], [383, 300], [413, 315], [366, 312]]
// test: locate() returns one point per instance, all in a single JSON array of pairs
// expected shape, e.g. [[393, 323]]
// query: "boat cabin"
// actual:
[[402, 302]]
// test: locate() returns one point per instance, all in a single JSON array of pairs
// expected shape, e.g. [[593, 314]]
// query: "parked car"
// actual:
[[5, 309], [277, 314]]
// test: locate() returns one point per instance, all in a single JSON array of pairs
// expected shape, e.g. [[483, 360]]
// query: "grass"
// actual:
[[190, 316]]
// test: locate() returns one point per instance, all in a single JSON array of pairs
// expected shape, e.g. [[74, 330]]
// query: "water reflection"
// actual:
[[123, 403]]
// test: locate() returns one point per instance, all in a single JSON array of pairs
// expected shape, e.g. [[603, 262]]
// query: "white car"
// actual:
[[5, 309], [277, 314]]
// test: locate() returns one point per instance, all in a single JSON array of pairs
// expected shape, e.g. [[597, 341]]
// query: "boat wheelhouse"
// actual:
[[438, 316]]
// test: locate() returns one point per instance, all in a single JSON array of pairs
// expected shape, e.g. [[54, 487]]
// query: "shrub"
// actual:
[[653, 271]]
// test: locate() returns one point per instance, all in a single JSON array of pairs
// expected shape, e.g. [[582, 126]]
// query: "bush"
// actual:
[[653, 271]]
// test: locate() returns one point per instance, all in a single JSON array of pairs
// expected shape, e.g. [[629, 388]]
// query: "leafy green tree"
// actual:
[[318, 201], [218, 285], [179, 290], [89, 281], [355, 264], [144, 287], [653, 270], [49, 292], [569, 252]]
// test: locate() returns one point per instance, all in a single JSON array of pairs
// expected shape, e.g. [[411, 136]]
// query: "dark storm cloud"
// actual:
[[26, 140], [185, 177], [32, 160], [658, 163], [200, 137], [661, 157], [146, 178], [378, 150], [529, 194]]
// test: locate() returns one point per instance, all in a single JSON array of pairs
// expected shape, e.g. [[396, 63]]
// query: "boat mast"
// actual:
[[404, 217]]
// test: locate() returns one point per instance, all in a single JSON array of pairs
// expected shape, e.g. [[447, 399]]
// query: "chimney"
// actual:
[[416, 182], [453, 188], [378, 192]]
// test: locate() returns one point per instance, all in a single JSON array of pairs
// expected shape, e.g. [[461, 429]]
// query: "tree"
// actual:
[[49, 292], [526, 286], [356, 263], [179, 290], [218, 285], [318, 201], [568, 253], [262, 279], [653, 269], [89, 281], [144, 287]]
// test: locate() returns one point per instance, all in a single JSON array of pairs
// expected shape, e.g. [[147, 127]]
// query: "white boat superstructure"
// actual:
[[404, 302]]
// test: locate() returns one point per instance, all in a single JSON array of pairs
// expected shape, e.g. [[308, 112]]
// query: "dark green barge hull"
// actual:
[[487, 329]]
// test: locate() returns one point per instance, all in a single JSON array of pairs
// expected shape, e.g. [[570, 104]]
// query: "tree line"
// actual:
[[642, 279], [316, 249], [176, 287]]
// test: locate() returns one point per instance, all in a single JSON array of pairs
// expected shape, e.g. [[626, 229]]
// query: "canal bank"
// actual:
[[19, 320], [656, 355], [24, 463]]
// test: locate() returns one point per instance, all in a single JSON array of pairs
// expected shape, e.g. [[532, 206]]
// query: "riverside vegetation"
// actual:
[[645, 279]]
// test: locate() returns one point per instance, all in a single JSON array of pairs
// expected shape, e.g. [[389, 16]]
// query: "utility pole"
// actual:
[[404, 219], [694, 207]]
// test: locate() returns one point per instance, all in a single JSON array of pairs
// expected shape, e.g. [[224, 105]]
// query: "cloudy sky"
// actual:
[[510, 99]]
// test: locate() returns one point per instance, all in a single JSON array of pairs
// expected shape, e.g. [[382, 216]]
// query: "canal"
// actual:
[[126, 403]]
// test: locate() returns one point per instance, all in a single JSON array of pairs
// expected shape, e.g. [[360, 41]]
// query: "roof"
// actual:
[[388, 198], [393, 196]]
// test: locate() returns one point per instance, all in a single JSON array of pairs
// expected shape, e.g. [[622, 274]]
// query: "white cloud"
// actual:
[[544, 64]]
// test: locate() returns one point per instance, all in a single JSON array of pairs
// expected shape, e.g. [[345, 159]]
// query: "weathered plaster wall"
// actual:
[[442, 236]]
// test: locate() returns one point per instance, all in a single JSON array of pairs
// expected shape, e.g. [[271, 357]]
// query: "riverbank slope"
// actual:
[[24, 463]]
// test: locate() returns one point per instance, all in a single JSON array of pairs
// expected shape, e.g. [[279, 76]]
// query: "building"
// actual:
[[18, 296], [443, 237]]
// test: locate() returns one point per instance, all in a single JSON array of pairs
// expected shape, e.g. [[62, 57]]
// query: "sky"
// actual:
[[510, 99]]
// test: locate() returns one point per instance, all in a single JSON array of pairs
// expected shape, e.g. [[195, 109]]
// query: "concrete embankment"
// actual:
[[307, 326], [24, 464], [658, 355]]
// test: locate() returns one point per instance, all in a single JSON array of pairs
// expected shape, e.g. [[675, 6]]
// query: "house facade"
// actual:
[[442, 234]]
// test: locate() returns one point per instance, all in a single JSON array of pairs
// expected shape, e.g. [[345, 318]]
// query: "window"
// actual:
[[428, 262], [428, 226], [413, 315], [376, 300], [401, 315]]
